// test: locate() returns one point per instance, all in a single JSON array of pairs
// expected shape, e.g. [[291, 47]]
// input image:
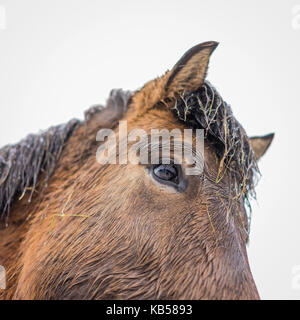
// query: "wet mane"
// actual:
[[205, 109], [22, 164]]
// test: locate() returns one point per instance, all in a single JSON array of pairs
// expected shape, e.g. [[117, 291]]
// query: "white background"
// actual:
[[59, 57]]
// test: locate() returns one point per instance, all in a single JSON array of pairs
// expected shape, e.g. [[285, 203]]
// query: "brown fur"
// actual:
[[108, 232]]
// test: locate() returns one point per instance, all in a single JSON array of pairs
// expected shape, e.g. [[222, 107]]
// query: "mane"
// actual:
[[23, 163], [205, 109]]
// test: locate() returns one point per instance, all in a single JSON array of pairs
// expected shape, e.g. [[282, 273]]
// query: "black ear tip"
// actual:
[[269, 136], [214, 43], [209, 44], [201, 46]]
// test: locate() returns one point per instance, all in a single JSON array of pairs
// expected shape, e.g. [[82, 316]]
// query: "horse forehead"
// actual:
[[157, 119]]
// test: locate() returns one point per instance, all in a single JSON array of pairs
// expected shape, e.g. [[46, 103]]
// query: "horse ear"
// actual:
[[261, 144], [189, 72]]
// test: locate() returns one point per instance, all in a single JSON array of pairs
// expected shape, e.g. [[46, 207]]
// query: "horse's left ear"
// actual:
[[261, 144], [189, 72]]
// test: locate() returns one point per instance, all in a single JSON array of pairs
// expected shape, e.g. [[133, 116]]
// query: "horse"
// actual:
[[72, 228]]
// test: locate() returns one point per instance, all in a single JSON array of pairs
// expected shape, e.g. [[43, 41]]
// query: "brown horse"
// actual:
[[75, 229]]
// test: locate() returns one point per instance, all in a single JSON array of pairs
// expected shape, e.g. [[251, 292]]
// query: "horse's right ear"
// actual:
[[189, 72]]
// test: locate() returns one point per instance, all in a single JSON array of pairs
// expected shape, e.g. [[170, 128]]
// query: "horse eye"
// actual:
[[166, 172], [170, 175]]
